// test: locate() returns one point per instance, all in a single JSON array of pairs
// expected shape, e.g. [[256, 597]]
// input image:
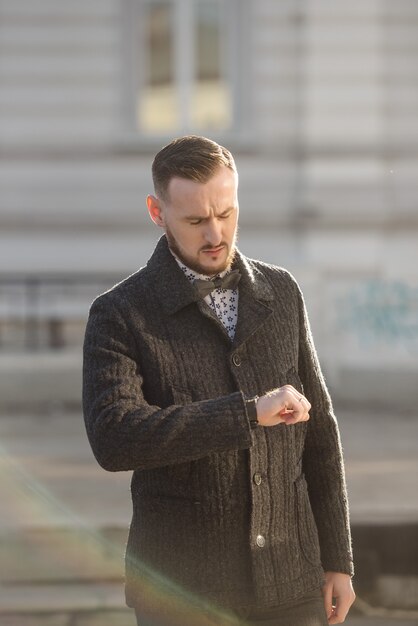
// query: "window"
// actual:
[[185, 65]]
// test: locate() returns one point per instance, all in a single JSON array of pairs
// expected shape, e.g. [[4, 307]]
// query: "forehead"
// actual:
[[221, 186]]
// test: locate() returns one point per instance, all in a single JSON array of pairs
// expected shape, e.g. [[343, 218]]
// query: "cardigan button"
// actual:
[[257, 478], [236, 359], [260, 541]]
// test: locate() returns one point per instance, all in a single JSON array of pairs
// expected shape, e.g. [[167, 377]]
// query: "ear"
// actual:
[[154, 210]]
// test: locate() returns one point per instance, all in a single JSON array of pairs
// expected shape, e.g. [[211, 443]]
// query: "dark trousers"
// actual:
[[306, 611]]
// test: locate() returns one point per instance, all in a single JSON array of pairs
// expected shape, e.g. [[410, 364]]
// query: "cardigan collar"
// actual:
[[168, 281], [176, 292]]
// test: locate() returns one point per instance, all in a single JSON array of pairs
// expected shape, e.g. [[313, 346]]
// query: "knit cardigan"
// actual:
[[239, 516]]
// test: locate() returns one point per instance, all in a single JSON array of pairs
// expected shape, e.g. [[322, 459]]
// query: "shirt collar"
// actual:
[[192, 275]]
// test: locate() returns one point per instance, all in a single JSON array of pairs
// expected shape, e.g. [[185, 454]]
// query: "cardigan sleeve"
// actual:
[[125, 432], [323, 459]]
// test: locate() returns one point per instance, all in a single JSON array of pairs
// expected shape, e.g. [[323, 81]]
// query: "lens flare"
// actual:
[[51, 551]]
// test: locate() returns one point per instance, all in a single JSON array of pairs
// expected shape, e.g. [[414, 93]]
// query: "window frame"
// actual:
[[238, 72]]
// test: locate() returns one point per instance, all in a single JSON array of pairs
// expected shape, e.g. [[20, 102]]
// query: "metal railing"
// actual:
[[36, 309]]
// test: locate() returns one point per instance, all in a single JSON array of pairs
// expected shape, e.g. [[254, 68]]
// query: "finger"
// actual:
[[306, 406], [299, 411], [298, 399], [295, 407], [305, 403], [335, 619], [290, 420], [327, 595], [295, 410], [342, 606]]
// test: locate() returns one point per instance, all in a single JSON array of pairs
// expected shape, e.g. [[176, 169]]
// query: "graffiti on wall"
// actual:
[[381, 312]]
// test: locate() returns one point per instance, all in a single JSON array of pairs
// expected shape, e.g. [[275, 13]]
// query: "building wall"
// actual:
[[327, 163]]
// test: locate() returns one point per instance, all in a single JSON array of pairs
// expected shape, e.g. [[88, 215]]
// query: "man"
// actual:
[[200, 375]]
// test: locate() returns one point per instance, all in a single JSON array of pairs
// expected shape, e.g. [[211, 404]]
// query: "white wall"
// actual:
[[328, 184]]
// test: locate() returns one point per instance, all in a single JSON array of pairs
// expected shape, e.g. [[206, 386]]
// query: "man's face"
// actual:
[[200, 220]]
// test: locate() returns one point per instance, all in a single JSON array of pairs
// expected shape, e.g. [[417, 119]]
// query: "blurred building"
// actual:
[[318, 101]]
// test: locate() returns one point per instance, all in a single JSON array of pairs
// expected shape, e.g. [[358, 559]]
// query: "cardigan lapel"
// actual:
[[208, 312], [173, 289], [254, 295], [168, 281]]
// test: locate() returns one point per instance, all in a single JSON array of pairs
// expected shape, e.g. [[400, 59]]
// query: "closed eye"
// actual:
[[197, 221]]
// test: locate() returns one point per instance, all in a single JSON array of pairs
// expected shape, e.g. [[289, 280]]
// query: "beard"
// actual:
[[194, 264]]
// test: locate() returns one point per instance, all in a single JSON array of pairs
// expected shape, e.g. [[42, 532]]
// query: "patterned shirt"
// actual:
[[224, 302]]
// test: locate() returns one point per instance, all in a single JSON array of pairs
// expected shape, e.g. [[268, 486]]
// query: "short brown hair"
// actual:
[[191, 157]]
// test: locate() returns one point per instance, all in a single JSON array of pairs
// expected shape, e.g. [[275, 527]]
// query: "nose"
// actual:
[[213, 233]]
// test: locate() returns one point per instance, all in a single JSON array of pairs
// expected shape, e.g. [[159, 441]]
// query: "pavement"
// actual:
[[67, 519]]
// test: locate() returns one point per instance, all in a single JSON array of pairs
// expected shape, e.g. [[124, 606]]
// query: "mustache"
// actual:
[[207, 248]]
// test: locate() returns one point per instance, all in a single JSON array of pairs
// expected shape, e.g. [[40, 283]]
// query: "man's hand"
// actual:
[[338, 587], [284, 405]]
